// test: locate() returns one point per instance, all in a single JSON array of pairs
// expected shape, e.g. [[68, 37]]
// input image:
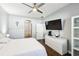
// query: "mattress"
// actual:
[[23, 47]]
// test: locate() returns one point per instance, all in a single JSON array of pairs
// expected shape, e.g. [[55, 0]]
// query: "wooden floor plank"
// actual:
[[50, 51]]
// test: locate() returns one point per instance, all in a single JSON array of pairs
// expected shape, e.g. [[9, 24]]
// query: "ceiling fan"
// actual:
[[35, 7]]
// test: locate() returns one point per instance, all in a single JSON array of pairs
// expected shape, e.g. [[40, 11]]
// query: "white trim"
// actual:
[[72, 33]]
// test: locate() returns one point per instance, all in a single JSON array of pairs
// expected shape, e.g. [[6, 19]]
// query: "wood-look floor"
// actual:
[[50, 51]]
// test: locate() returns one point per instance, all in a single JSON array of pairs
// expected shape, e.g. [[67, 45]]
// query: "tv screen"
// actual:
[[54, 25]]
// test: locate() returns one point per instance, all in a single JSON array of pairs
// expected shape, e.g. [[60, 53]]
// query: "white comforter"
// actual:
[[23, 47]]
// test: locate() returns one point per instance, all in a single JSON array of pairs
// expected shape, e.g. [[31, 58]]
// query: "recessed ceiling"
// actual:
[[22, 10]]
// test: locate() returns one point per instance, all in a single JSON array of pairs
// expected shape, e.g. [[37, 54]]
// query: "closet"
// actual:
[[75, 35]]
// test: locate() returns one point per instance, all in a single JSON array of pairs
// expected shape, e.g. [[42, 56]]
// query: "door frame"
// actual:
[[29, 21]]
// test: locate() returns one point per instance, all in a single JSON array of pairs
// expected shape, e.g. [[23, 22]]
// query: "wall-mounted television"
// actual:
[[54, 24]]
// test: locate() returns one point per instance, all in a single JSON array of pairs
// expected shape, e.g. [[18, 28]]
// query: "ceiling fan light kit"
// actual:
[[34, 9]]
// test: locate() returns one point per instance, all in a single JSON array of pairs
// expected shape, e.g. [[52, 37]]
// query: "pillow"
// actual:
[[4, 40], [2, 45], [2, 35]]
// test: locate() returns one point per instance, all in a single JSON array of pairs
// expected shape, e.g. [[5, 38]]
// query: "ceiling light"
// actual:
[[34, 9]]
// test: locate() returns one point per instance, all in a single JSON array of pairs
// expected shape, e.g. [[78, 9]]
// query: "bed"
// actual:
[[21, 47]]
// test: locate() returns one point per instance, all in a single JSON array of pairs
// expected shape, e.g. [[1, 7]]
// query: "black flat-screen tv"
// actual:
[[54, 25]]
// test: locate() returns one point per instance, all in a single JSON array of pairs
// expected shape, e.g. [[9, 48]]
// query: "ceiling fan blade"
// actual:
[[27, 5], [40, 5], [39, 11], [30, 11]]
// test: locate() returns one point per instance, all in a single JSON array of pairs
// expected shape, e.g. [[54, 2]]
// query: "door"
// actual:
[[39, 31], [28, 29]]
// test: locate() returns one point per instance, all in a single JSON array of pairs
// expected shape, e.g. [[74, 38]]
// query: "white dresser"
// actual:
[[58, 44]]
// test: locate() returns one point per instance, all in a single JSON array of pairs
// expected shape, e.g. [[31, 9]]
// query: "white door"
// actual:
[[39, 31]]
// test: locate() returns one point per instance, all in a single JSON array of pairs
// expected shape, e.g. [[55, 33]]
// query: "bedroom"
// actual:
[[16, 23]]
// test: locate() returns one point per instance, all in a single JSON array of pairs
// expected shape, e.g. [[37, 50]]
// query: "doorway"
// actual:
[[27, 29]]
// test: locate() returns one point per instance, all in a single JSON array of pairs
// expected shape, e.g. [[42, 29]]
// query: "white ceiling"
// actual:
[[22, 10]]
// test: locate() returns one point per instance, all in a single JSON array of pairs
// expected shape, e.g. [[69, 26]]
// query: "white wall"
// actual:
[[65, 14], [18, 32], [3, 21]]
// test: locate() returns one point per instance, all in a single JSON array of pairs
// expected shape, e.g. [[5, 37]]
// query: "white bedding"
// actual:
[[23, 47]]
